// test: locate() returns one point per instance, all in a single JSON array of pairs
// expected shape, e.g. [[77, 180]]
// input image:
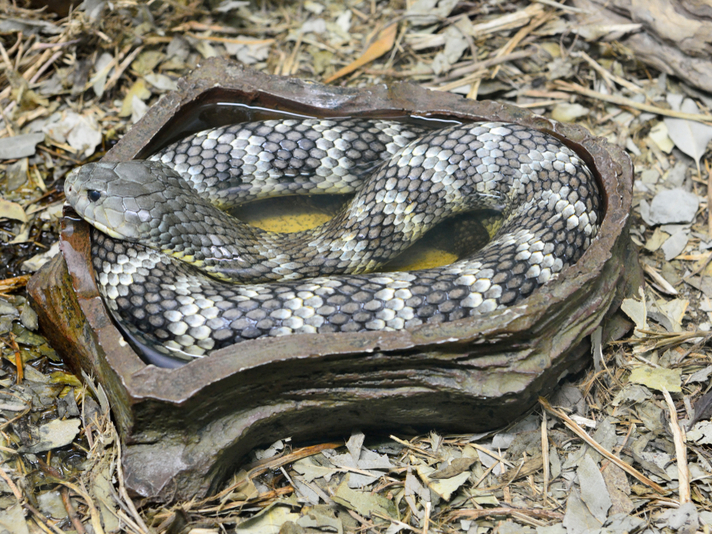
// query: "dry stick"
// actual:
[[580, 432], [622, 101], [18, 358], [122, 488], [608, 77], [536, 21], [426, 517], [94, 515], [71, 512], [230, 39], [519, 513], [545, 453], [398, 523], [683, 472], [118, 71], [42, 521], [477, 66], [15, 491], [709, 197], [665, 286], [64, 492]]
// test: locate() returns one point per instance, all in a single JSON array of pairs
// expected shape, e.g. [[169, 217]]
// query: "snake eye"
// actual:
[[93, 195]]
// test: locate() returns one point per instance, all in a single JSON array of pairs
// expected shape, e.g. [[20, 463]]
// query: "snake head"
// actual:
[[117, 198]]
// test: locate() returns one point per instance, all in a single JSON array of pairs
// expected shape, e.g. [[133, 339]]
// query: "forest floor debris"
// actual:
[[627, 447]]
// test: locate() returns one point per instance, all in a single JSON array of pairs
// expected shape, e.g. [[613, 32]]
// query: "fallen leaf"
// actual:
[[269, 521], [568, 112], [56, 434], [37, 261], [12, 520], [659, 135], [82, 132], [691, 137], [138, 89], [311, 470], [422, 12], [385, 41], [593, 488], [701, 433], [20, 146], [636, 310], [362, 502], [444, 487], [657, 378], [12, 210], [675, 245], [673, 206], [578, 519]]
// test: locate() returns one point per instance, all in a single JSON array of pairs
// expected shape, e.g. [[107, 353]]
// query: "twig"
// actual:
[[545, 453], [477, 66], [71, 512], [622, 101], [15, 491], [523, 514], [426, 517], [709, 196], [608, 77], [396, 522], [414, 447], [64, 493], [122, 489], [42, 520], [664, 285], [93, 512], [580, 432], [232, 40], [683, 472], [12, 344]]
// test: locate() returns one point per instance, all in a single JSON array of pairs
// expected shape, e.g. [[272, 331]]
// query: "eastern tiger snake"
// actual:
[[166, 259]]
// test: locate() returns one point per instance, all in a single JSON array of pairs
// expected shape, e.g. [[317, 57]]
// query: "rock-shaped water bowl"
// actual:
[[184, 429]]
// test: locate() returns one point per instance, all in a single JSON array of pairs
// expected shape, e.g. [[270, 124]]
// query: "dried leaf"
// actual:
[[138, 89], [82, 132], [457, 466], [35, 262], [689, 136], [659, 135], [364, 503], [636, 310], [701, 433], [673, 206], [12, 520], [20, 146], [703, 407], [56, 434], [578, 519], [310, 470], [269, 521], [385, 41], [51, 504], [423, 12], [657, 378], [568, 112], [593, 489], [12, 210], [444, 487]]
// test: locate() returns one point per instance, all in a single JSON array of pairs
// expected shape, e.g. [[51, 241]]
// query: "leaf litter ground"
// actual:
[[626, 447]]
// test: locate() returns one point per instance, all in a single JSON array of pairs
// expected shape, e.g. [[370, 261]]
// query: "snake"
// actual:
[[183, 278]]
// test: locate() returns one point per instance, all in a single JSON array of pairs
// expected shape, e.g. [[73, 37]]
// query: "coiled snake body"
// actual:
[[167, 260]]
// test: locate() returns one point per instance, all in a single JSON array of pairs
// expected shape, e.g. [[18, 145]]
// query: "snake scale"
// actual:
[[183, 278]]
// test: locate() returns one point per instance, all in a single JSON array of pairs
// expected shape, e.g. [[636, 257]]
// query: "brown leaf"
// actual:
[[385, 41]]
